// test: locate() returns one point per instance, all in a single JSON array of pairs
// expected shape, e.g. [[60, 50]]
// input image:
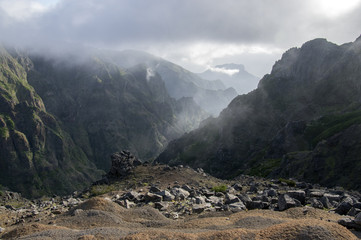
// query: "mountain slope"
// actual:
[[62, 117], [212, 96], [35, 153], [232, 75], [318, 79]]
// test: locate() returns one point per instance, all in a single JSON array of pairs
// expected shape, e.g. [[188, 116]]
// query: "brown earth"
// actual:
[[100, 218]]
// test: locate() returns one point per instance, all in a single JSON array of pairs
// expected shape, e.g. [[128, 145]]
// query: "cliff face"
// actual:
[[311, 97], [36, 154]]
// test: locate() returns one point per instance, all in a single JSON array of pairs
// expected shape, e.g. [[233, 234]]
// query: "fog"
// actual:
[[194, 34]]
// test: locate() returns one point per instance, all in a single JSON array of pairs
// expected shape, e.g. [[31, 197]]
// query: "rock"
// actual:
[[198, 208], [271, 192], [344, 206], [253, 189], [152, 197], [237, 207], [154, 189], [325, 202], [300, 195], [122, 164], [126, 203], [186, 187], [201, 199], [358, 219], [2, 229], [77, 212], [316, 203], [174, 215], [167, 196], [255, 205], [162, 206], [332, 197], [285, 202], [133, 196], [237, 187], [353, 212], [357, 205], [230, 198], [349, 223], [180, 193], [217, 201], [317, 193], [244, 198]]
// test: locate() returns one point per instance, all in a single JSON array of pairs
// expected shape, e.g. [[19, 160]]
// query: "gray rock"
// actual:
[[332, 197], [217, 201], [230, 198], [285, 202], [325, 202], [126, 203], [187, 188], [344, 206], [167, 196], [357, 205], [152, 197], [2, 229], [198, 208], [271, 192], [253, 189], [237, 207], [244, 198], [316, 203], [300, 195], [255, 205], [237, 187], [162, 206], [154, 189], [133, 196], [353, 212], [317, 193], [349, 223], [122, 164], [201, 199], [358, 219], [180, 194]]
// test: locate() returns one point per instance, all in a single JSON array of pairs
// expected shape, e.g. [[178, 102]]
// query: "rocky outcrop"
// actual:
[[122, 164]]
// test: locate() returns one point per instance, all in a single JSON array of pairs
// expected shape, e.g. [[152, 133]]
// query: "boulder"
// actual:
[[180, 193], [237, 207], [316, 203], [300, 195], [167, 196], [152, 197], [230, 198], [285, 202], [344, 206], [358, 219], [255, 205], [122, 164], [325, 202], [161, 206], [198, 208]]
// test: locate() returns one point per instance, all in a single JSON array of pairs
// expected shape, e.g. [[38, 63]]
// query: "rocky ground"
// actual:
[[162, 202]]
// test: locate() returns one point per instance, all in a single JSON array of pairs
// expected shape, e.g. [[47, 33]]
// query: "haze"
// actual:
[[195, 34]]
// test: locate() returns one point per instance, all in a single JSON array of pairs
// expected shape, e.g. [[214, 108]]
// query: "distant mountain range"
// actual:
[[303, 121], [232, 75]]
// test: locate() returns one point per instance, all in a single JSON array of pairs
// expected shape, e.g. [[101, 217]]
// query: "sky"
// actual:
[[195, 34]]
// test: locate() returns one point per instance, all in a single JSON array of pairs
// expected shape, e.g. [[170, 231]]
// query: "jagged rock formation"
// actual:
[[232, 75], [302, 121], [122, 164]]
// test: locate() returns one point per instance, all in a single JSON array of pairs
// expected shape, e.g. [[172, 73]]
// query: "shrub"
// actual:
[[220, 188]]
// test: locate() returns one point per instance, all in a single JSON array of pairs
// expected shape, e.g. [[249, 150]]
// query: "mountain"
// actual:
[[212, 96], [232, 75], [302, 121], [62, 117]]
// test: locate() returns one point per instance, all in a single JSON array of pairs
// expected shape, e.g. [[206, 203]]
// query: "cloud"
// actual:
[[193, 32], [229, 72]]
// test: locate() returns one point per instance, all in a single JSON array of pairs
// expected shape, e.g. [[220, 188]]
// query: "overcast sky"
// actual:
[[192, 33]]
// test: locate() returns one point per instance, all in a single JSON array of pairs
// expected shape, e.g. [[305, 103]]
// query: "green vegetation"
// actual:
[[289, 182], [264, 168], [220, 188], [329, 125], [97, 190]]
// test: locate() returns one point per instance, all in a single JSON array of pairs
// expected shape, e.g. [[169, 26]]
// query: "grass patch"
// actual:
[[220, 188], [97, 190], [289, 182]]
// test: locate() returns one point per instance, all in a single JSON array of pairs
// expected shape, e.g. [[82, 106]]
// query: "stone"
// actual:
[[300, 195], [244, 198], [285, 202], [358, 219], [344, 206], [126, 203], [237, 207], [198, 208], [167, 196], [271, 192], [325, 202], [201, 200], [123, 164], [152, 197], [353, 212], [316, 203], [349, 223], [332, 197], [180, 193], [217, 201], [230, 198], [255, 205], [162, 206], [186, 187], [154, 189], [133, 196], [253, 189], [237, 187], [2, 229], [316, 193]]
